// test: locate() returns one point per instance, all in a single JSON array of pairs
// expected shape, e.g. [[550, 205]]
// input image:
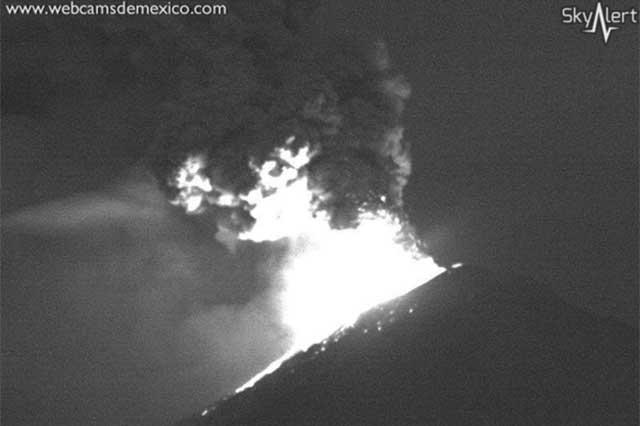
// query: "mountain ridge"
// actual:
[[468, 347]]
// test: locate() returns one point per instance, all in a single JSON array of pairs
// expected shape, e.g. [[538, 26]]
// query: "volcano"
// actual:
[[467, 348]]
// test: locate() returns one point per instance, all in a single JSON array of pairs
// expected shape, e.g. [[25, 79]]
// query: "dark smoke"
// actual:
[[130, 312], [246, 87]]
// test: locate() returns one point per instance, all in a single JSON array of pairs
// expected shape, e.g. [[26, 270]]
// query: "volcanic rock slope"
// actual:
[[467, 348]]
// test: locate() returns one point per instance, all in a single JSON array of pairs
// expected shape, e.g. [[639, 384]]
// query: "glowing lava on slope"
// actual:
[[331, 276]]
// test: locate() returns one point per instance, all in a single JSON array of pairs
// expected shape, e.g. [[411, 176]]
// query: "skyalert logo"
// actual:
[[602, 19]]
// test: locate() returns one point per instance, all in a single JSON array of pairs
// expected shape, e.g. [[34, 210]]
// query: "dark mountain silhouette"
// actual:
[[467, 348]]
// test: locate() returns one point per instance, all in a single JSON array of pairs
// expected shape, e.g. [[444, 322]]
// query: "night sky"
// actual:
[[525, 149], [525, 132]]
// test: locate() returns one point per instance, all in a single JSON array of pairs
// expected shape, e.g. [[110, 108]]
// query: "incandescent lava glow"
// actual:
[[331, 276], [334, 276]]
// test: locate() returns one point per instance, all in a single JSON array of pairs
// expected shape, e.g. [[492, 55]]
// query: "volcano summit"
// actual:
[[467, 348]]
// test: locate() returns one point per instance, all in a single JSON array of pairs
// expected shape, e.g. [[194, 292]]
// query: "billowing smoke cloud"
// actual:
[[248, 87], [237, 90], [276, 136]]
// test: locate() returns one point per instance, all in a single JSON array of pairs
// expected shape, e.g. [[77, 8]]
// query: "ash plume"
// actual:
[[259, 82], [271, 130], [232, 92]]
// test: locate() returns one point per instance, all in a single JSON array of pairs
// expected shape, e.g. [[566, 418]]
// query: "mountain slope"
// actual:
[[466, 348]]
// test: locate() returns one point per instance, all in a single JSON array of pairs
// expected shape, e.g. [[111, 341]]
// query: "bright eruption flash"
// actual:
[[336, 275], [331, 275]]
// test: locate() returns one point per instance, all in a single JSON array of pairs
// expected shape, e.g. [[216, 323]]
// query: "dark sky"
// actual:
[[525, 147], [524, 132], [525, 140]]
